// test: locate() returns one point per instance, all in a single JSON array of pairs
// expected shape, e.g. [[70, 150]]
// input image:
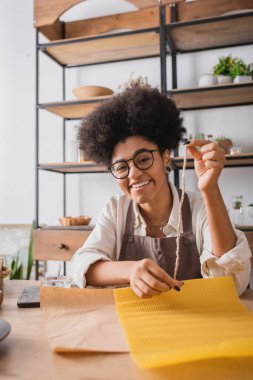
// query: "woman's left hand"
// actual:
[[208, 161]]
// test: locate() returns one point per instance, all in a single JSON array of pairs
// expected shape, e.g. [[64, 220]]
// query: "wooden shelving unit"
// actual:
[[243, 159], [213, 97], [151, 31]]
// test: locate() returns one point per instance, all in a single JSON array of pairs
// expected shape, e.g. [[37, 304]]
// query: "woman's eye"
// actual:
[[143, 160], [121, 168]]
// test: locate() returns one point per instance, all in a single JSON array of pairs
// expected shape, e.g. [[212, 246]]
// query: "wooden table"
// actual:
[[25, 353]]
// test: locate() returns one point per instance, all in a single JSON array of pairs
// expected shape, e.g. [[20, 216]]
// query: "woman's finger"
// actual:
[[154, 283], [213, 165], [210, 147], [198, 142], [138, 292], [222, 155], [212, 156], [145, 289], [194, 152], [162, 276]]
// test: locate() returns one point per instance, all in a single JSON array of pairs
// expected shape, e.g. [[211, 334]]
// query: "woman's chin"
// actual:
[[140, 198]]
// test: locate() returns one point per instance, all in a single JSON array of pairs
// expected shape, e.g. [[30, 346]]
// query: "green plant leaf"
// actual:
[[18, 274], [239, 67], [30, 251], [14, 268], [223, 66]]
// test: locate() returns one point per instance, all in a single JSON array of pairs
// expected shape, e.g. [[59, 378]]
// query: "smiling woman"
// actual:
[[135, 239]]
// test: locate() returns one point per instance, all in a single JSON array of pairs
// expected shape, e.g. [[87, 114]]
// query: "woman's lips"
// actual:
[[140, 185]]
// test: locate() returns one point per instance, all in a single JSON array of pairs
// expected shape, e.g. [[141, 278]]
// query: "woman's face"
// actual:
[[143, 186]]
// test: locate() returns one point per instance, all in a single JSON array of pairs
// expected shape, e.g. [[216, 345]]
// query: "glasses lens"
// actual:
[[120, 169], [144, 160]]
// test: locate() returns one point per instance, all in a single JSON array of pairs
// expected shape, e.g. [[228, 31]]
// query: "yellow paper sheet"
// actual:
[[205, 320]]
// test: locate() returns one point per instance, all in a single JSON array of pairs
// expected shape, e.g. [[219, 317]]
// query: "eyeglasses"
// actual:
[[143, 159]]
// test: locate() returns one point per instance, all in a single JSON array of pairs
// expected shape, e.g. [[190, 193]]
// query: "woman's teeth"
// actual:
[[141, 184]]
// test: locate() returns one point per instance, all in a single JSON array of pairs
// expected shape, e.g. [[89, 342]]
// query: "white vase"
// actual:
[[224, 79], [250, 211], [242, 79], [207, 80]]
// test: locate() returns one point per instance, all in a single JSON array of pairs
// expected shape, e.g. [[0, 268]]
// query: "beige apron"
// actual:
[[163, 250]]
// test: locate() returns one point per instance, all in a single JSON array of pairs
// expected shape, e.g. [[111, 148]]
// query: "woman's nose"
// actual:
[[134, 172]]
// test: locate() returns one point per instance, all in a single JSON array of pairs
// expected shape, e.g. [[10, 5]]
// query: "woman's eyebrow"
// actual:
[[134, 155], [119, 160]]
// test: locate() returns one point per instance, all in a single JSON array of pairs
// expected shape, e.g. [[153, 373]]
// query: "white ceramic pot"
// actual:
[[250, 211], [224, 79], [207, 80], [242, 79]]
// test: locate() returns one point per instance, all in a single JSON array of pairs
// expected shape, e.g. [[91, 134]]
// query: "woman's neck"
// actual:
[[158, 211]]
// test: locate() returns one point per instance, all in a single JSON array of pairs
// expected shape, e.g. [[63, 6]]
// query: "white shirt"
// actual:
[[104, 243]]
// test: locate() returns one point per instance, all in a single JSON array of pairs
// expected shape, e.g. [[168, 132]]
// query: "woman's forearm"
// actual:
[[145, 276], [222, 234], [106, 273]]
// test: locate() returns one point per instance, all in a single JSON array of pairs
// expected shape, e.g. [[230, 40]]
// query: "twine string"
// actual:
[[180, 218]]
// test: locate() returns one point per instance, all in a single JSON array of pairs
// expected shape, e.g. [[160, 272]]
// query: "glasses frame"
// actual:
[[133, 159]]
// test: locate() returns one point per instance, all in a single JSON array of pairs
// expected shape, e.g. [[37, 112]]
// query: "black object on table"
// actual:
[[30, 297]]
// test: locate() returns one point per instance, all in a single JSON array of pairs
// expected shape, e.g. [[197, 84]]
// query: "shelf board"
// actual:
[[105, 48], [244, 227], [243, 159], [213, 97], [212, 32], [73, 109], [186, 99], [74, 167], [90, 227]]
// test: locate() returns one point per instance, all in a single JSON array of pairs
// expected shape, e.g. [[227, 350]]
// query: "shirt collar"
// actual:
[[173, 219]]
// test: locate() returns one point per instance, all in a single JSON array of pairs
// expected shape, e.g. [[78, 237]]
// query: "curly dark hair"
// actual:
[[135, 112]]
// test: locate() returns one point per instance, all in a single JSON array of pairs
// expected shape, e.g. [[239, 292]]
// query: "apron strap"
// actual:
[[129, 229]]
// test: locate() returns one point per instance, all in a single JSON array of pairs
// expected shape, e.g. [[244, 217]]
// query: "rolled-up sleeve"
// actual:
[[235, 263], [100, 246]]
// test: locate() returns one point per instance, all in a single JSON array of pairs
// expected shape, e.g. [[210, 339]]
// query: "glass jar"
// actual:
[[60, 282]]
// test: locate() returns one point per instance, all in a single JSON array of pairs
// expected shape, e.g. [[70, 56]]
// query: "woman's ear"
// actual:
[[166, 158]]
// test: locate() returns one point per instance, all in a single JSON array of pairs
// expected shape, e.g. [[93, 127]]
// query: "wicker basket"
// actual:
[[82, 220]]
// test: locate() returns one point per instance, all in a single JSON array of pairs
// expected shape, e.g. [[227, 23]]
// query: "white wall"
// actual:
[[16, 111], [17, 118]]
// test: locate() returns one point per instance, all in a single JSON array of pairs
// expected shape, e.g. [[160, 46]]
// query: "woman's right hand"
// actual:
[[148, 279]]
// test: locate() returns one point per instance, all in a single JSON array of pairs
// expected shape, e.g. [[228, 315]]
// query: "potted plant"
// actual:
[[222, 69], [240, 71], [208, 80], [224, 142]]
